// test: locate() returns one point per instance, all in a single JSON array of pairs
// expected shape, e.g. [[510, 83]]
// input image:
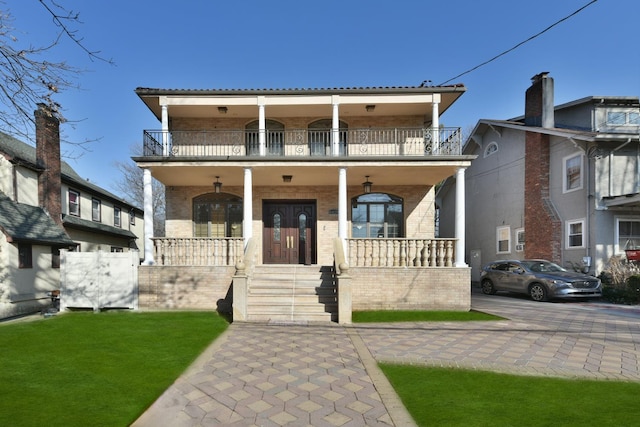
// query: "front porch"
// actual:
[[373, 274]]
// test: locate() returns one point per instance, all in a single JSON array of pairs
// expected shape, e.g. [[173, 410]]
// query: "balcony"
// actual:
[[303, 143]]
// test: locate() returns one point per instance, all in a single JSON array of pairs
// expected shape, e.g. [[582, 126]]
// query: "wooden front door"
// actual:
[[289, 232]]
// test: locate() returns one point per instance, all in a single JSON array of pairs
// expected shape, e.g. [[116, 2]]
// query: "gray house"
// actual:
[[561, 183]]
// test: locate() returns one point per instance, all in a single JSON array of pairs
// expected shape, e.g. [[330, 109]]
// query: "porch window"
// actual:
[[628, 233], [320, 137], [274, 138], [217, 215], [377, 215]]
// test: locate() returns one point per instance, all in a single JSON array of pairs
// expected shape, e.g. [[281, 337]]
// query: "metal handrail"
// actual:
[[363, 142]]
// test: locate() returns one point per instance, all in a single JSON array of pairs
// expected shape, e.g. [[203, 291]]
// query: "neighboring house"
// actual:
[[285, 192], [46, 206], [558, 183]]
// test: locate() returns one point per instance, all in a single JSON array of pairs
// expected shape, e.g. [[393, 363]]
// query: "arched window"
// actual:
[[217, 215], [491, 148], [320, 137], [377, 215], [274, 138]]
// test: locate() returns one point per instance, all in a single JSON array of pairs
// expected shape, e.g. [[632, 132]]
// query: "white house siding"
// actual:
[[35, 283], [27, 185]]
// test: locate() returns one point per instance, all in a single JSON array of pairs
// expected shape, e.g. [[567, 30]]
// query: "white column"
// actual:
[[247, 206], [335, 126], [262, 127], [165, 130], [460, 219], [342, 204], [435, 127], [148, 218]]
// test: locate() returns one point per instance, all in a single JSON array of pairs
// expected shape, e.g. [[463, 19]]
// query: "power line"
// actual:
[[521, 43]]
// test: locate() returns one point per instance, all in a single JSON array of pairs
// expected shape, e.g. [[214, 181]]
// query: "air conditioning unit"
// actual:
[[520, 247]]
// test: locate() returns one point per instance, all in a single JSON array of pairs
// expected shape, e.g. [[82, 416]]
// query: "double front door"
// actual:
[[289, 232]]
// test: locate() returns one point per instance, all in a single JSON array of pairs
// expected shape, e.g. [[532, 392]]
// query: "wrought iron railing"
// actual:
[[305, 143]]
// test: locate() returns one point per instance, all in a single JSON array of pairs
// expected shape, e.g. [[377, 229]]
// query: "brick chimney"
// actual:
[[48, 158], [538, 106], [543, 228]]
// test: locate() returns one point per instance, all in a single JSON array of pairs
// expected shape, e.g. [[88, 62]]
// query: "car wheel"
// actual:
[[487, 287], [538, 292]]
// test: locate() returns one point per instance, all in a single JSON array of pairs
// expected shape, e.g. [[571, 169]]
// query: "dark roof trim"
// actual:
[[142, 91], [71, 221]]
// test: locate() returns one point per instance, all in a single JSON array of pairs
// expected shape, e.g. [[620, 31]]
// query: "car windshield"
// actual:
[[542, 266]]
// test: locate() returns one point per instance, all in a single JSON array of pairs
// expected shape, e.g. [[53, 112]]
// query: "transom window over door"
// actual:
[[274, 138], [377, 215], [217, 215]]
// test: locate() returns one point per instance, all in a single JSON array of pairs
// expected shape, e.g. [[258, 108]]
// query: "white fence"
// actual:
[[98, 280]]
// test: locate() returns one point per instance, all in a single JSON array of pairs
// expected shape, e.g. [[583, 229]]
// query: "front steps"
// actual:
[[292, 294]]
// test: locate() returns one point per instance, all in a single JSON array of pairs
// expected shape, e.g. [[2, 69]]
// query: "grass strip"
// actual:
[[458, 397], [101, 369], [383, 316]]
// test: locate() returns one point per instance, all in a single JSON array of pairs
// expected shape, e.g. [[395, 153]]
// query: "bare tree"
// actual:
[[27, 75], [130, 186]]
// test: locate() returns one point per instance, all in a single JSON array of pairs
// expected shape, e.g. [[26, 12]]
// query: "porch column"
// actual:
[[335, 126], [342, 204], [460, 219], [247, 206], [165, 130], [262, 127], [435, 126], [148, 218]]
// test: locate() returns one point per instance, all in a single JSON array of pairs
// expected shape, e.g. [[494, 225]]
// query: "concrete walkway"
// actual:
[[326, 375]]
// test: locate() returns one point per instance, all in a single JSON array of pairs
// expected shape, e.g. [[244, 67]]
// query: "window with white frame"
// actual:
[[117, 213], [620, 118], [572, 177], [74, 203], [575, 234], [627, 234], [503, 240], [520, 240], [491, 148], [96, 210]]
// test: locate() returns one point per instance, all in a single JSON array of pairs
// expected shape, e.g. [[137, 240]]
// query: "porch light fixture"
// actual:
[[370, 108], [287, 178], [217, 186], [366, 186], [222, 110]]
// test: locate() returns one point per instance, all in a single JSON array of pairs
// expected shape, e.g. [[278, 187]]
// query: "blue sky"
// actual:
[[334, 43]]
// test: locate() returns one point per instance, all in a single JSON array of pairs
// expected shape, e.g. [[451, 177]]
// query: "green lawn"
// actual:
[[457, 397], [101, 369], [385, 316]]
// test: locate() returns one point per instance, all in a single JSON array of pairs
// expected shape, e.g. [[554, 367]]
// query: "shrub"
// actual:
[[621, 281]]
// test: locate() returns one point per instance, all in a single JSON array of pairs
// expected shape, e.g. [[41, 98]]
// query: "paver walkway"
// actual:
[[275, 375]]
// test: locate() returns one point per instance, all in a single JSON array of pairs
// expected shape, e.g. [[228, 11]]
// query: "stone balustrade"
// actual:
[[198, 251], [401, 252]]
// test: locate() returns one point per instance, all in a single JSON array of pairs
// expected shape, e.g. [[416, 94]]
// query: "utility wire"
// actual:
[[521, 43]]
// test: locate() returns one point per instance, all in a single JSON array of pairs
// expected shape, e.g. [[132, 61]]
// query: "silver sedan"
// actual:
[[540, 279]]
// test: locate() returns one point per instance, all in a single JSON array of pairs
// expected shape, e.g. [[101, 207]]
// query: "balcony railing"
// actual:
[[391, 142], [401, 252], [198, 251]]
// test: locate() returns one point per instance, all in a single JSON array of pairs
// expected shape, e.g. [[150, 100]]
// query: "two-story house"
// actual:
[[284, 192], [46, 206], [561, 183]]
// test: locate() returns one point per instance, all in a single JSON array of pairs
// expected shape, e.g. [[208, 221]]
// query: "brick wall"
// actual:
[[48, 158], [187, 288], [411, 288]]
